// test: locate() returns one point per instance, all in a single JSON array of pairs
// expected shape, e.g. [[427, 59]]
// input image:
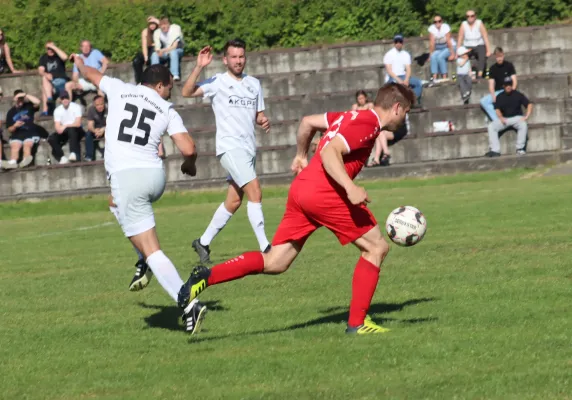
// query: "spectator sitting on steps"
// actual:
[[508, 107], [362, 101], [52, 69], [464, 78], [96, 117], [143, 58], [169, 45], [441, 47], [20, 124], [398, 67], [474, 36], [92, 58], [67, 118], [497, 75]]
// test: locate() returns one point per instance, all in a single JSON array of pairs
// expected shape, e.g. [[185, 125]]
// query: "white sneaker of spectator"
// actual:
[[72, 157], [11, 164], [64, 160]]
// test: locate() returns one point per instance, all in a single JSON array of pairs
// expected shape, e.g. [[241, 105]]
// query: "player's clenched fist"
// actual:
[[189, 167], [298, 164], [357, 195]]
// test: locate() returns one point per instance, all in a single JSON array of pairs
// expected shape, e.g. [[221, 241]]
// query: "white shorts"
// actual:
[[240, 165], [87, 86], [133, 191]]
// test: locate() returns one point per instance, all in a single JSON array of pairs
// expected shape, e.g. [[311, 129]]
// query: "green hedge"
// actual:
[[114, 26]]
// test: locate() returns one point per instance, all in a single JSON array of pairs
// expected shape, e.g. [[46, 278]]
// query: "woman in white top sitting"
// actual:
[[441, 47], [473, 35]]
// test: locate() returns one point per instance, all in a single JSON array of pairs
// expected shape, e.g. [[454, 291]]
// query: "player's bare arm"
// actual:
[[263, 121], [186, 146], [91, 74], [190, 89], [333, 162], [308, 127]]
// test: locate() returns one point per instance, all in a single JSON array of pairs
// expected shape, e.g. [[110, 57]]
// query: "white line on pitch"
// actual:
[[41, 235]]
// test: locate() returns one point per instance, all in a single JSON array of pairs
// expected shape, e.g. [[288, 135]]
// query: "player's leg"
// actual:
[[373, 249], [241, 165], [292, 233], [354, 224], [219, 220], [143, 273], [253, 193], [276, 261], [133, 197]]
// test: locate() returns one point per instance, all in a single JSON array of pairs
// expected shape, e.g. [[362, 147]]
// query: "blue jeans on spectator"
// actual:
[[91, 142], [414, 83], [173, 56], [489, 107], [439, 61]]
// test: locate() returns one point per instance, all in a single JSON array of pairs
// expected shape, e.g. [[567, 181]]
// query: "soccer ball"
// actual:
[[406, 226]]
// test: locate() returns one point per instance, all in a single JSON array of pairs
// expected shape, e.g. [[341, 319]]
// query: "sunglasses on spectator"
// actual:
[[471, 15], [438, 21]]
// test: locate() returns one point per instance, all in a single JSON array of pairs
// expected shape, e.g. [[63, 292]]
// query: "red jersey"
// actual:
[[358, 129]]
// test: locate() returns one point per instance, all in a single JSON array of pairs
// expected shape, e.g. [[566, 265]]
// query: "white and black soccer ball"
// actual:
[[406, 226]]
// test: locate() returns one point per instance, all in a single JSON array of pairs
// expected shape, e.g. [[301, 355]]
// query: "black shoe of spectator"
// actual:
[[384, 162], [492, 154]]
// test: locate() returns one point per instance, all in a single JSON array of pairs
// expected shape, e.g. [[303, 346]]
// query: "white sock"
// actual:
[[256, 219], [220, 219], [166, 273], [115, 212]]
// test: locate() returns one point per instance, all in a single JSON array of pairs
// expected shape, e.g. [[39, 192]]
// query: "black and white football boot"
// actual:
[[193, 316], [142, 277]]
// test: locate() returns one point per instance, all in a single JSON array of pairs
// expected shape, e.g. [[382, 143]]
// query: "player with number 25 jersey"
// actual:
[[138, 116]]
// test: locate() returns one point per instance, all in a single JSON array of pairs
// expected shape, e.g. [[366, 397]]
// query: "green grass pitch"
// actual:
[[480, 309]]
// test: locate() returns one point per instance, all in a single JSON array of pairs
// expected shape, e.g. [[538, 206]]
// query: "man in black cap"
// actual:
[[398, 67], [508, 107]]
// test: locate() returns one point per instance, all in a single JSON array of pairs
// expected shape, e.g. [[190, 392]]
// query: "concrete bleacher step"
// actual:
[[367, 75], [285, 117], [86, 176], [446, 94], [272, 160]]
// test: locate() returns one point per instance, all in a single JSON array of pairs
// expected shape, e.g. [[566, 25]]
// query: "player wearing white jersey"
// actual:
[[238, 105], [138, 116]]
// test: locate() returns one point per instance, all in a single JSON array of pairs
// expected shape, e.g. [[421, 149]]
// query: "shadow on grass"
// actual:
[[169, 317], [337, 315]]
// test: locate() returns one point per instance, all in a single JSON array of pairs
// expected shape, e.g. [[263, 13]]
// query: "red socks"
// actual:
[[250, 263], [364, 283]]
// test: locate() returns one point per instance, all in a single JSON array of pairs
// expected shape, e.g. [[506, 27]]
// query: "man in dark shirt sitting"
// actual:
[[96, 121], [23, 131], [508, 107], [497, 74], [52, 69]]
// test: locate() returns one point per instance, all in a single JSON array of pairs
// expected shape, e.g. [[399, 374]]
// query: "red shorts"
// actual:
[[307, 210]]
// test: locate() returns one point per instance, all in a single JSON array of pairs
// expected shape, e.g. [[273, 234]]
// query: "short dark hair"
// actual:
[[360, 92], [97, 97], [164, 17], [156, 74], [498, 50], [392, 93], [241, 44], [17, 92]]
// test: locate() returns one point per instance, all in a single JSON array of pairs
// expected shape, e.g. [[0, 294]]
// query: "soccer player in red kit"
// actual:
[[324, 194]]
